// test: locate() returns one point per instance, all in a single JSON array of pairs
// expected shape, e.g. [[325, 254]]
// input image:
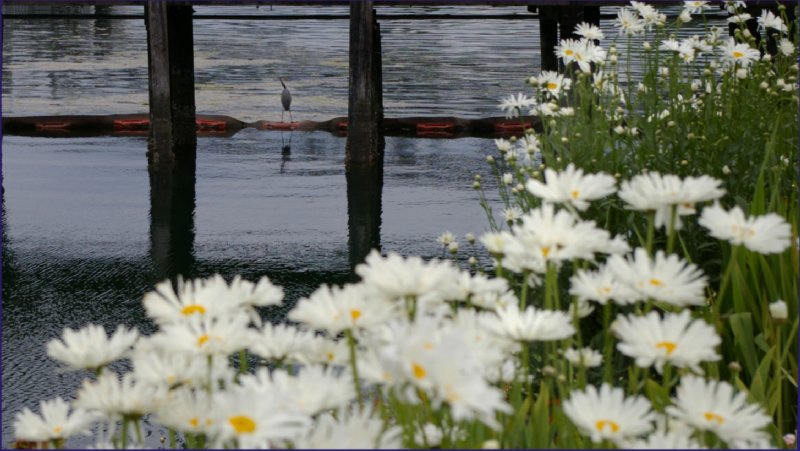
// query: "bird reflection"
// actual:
[[286, 150]]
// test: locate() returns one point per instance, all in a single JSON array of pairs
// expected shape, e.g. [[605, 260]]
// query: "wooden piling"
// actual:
[[171, 80], [364, 192], [364, 139], [172, 232], [548, 36]]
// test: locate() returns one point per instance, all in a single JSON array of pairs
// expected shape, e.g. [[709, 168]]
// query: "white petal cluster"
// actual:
[[608, 415], [334, 309], [532, 324], [714, 406], [660, 193], [350, 429], [676, 340], [56, 422], [766, 234], [90, 347], [572, 187], [601, 286], [667, 279]]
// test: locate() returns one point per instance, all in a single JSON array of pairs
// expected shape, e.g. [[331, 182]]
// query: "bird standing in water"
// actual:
[[286, 100]]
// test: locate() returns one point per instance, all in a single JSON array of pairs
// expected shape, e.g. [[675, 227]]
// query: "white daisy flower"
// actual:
[[486, 293], [280, 342], [608, 415], [313, 389], [156, 367], [667, 278], [650, 16], [676, 339], [56, 422], [766, 234], [192, 298], [251, 421], [553, 83], [186, 410], [532, 324], [116, 397], [398, 278], [326, 351], [583, 52], [350, 429], [768, 19], [572, 187], [713, 406], [628, 22], [513, 105], [446, 238], [787, 47], [335, 309], [601, 286], [696, 6], [585, 357], [733, 6], [204, 335], [512, 213], [90, 347], [654, 192], [733, 53], [739, 18], [249, 294], [589, 31]]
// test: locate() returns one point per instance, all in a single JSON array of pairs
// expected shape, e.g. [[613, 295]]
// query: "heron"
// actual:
[[286, 100]]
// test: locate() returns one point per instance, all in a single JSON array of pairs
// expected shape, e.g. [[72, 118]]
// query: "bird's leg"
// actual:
[[281, 116], [290, 116]]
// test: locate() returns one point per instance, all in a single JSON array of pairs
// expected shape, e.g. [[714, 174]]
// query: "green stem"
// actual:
[[351, 343], [651, 230], [124, 438], [172, 438], [243, 363], [673, 217], [607, 343], [523, 297], [715, 317]]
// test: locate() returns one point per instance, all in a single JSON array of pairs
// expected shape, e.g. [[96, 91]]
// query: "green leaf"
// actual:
[[742, 327]]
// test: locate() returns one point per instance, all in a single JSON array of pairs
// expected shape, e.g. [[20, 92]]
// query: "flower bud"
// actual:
[[741, 73], [472, 261], [490, 444], [778, 311], [508, 178], [726, 170], [490, 159], [470, 238], [735, 367]]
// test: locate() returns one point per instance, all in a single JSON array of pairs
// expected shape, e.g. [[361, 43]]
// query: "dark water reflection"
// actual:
[[83, 240]]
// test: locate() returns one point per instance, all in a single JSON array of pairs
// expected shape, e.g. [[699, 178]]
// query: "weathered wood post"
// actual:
[[170, 58], [364, 130], [548, 35], [365, 141]]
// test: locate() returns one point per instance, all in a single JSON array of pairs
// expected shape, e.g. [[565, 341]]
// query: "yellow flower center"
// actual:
[[552, 86], [656, 282], [568, 52], [355, 313], [668, 345], [711, 416], [242, 424], [194, 422], [57, 429], [450, 394], [192, 309], [419, 371], [604, 290], [202, 340], [575, 193], [329, 356], [601, 425], [428, 345], [545, 251], [738, 54]]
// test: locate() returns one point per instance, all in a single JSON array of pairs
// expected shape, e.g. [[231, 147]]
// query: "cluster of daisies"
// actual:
[[424, 353], [735, 54], [425, 333]]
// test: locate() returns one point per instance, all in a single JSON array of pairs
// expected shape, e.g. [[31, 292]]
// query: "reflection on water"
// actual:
[[87, 230]]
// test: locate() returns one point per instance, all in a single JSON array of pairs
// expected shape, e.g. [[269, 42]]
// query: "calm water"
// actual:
[[77, 215]]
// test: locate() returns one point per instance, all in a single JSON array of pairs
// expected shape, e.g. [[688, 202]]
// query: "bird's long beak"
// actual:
[[281, 80]]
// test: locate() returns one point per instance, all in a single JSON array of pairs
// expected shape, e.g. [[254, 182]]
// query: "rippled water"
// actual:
[[77, 214]]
